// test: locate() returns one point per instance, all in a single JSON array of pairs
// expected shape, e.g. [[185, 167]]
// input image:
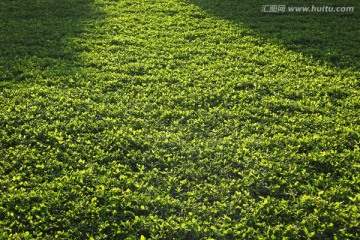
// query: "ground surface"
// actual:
[[174, 119]]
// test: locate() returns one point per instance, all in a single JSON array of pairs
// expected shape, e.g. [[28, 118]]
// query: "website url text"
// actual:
[[319, 9]]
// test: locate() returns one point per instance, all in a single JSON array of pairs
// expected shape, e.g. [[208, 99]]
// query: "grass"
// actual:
[[177, 119]]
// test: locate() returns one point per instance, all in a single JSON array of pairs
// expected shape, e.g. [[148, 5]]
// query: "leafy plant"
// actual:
[[176, 120]]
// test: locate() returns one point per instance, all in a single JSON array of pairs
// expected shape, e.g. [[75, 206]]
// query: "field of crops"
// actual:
[[178, 119]]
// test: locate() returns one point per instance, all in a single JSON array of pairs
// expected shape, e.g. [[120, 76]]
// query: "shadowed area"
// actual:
[[36, 37], [333, 38]]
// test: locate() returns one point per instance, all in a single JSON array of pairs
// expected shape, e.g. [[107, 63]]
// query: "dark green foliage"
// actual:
[[177, 120]]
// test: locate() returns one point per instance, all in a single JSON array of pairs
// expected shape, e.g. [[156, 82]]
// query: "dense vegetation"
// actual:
[[178, 119]]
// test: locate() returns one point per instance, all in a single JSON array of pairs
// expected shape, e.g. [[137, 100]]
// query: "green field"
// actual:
[[178, 119]]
